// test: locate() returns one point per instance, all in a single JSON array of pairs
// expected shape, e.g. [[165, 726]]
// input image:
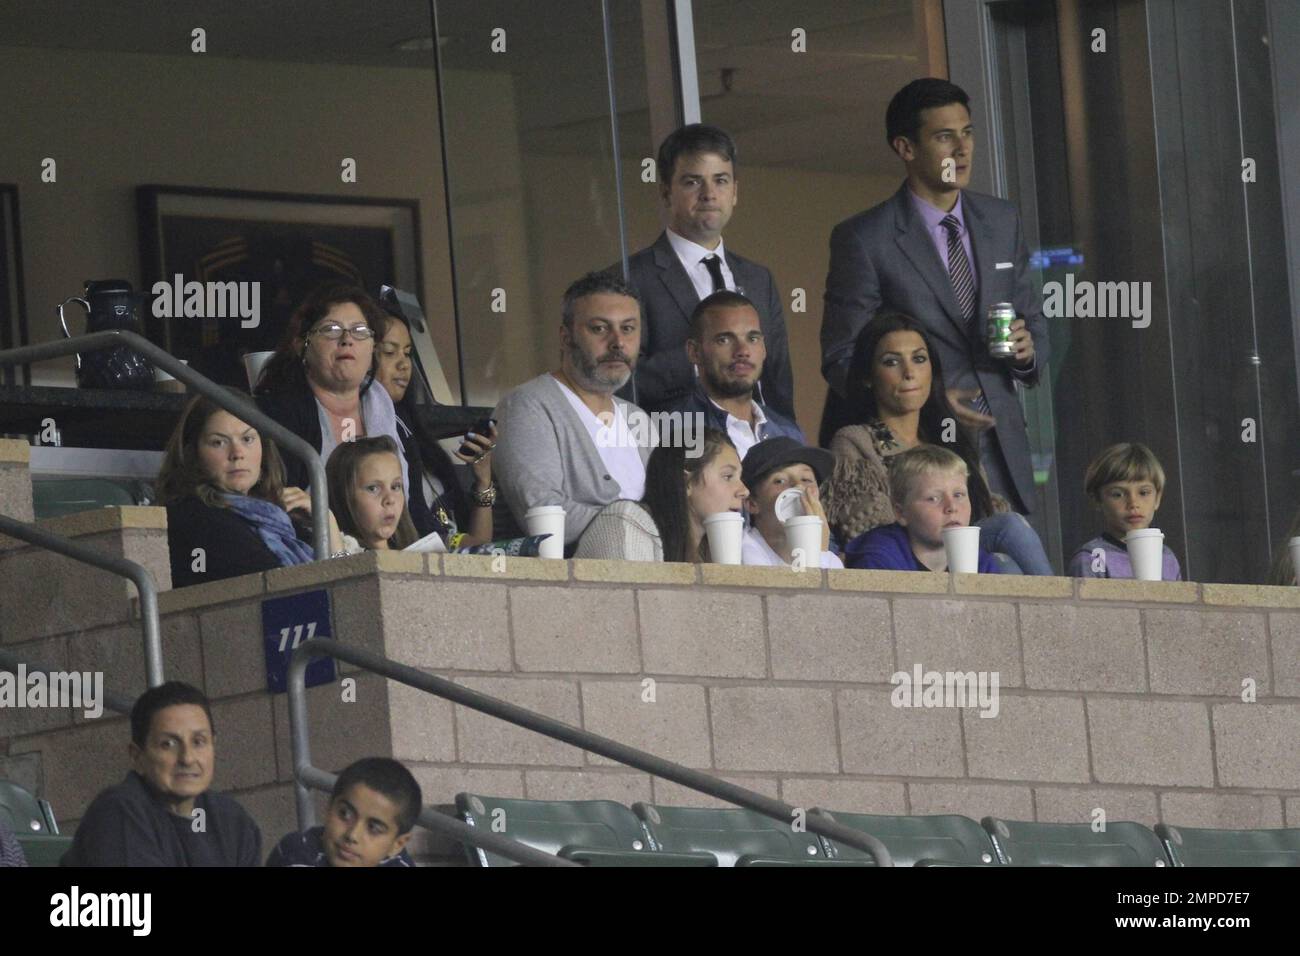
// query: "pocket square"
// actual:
[[1004, 265]]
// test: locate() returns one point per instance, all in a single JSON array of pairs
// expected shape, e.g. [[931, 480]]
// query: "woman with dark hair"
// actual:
[[366, 491], [319, 382], [667, 524], [227, 504], [895, 385], [436, 497]]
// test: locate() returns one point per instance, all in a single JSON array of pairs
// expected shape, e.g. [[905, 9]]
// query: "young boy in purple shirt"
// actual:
[[928, 487], [1125, 483]]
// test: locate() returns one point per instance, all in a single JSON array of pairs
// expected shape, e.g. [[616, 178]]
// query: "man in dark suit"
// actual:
[[688, 262], [943, 255]]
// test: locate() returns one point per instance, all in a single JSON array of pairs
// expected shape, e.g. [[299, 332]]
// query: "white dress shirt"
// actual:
[[692, 256], [739, 431]]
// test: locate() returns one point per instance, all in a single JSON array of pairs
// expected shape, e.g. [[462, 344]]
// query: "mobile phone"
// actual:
[[480, 427]]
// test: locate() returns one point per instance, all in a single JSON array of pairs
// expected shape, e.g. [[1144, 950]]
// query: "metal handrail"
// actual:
[[138, 574], [242, 408], [112, 700], [305, 774]]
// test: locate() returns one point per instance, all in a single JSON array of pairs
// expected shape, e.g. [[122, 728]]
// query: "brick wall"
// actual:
[[1117, 695]]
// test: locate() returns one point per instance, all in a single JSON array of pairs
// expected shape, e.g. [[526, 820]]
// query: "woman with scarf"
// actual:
[[228, 510]]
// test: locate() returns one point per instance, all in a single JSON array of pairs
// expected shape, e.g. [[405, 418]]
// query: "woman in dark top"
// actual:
[[227, 505], [319, 384], [435, 496]]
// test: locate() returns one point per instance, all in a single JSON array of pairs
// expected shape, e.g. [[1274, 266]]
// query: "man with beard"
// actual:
[[727, 348], [564, 438]]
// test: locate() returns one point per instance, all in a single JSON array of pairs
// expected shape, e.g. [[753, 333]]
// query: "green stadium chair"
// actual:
[[594, 832], [52, 497], [44, 850], [736, 837], [945, 840], [25, 815], [1074, 844], [1192, 847]]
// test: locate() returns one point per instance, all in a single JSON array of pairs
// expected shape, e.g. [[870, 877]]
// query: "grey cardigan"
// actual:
[[545, 456]]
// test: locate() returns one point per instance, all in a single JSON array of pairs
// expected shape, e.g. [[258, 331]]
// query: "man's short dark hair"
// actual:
[[595, 283], [174, 693], [903, 117], [387, 776], [723, 299], [690, 141]]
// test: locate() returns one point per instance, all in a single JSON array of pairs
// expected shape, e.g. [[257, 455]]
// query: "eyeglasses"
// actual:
[[333, 331]]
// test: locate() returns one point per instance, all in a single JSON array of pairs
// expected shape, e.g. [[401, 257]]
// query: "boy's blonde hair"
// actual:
[[1127, 461], [907, 468]]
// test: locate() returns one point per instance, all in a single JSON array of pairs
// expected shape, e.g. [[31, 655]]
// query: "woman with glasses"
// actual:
[[320, 382]]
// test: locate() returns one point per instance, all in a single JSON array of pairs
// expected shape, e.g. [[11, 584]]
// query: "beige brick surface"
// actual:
[[958, 636], [1225, 811], [339, 731], [829, 637], [790, 729], [1250, 595], [1150, 742], [1145, 592], [245, 743], [118, 652], [634, 572], [845, 795], [484, 739], [575, 630], [906, 582], [675, 726], [974, 800], [421, 725], [1013, 585], [878, 738], [234, 658], [1078, 805], [446, 625], [506, 569], [1284, 629], [1256, 745], [760, 577], [1031, 738], [670, 794], [619, 786], [1203, 652], [78, 763], [52, 652], [1082, 647], [702, 633]]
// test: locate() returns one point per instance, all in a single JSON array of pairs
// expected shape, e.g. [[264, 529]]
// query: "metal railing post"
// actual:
[[306, 777], [577, 737], [242, 408], [139, 575]]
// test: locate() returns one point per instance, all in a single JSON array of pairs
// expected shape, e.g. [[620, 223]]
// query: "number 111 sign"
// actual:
[[286, 623]]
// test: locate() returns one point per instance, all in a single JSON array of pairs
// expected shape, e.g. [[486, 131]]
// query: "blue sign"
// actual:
[[286, 623]]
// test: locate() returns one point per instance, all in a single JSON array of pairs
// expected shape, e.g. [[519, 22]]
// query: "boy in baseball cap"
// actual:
[[770, 468]]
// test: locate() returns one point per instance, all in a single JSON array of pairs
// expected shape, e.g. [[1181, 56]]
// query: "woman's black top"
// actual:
[[230, 545]]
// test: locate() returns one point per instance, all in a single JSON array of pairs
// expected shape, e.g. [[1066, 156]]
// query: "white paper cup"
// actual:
[[805, 533], [962, 545], [725, 531], [254, 362], [1146, 552], [1295, 559], [164, 381], [547, 519]]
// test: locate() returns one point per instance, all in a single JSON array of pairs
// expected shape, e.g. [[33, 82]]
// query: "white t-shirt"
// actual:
[[615, 444], [754, 549]]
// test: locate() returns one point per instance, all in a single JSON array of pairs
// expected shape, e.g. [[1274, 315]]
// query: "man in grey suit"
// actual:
[[943, 255], [688, 263], [563, 438]]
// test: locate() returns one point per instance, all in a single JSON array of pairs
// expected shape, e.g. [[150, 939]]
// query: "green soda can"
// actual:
[[1001, 315]]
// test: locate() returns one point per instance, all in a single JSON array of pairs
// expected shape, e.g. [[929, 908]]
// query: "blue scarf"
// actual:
[[272, 524]]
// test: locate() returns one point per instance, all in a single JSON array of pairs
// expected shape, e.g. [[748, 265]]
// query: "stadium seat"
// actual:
[[946, 840], [25, 815], [736, 837], [1194, 847], [594, 832], [1074, 844], [52, 497], [44, 850]]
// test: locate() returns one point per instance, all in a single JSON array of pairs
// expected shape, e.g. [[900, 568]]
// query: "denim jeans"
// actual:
[[1010, 534]]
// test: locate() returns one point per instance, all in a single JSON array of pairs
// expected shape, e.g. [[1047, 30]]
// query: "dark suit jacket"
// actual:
[[664, 378], [884, 259]]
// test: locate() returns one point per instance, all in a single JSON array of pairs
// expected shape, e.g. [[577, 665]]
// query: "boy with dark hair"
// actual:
[[373, 807], [1125, 483], [162, 813], [928, 488]]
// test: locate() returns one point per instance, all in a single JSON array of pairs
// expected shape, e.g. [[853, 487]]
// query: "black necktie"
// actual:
[[714, 265]]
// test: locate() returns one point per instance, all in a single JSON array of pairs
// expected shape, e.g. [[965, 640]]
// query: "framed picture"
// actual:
[[13, 312], [287, 243]]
